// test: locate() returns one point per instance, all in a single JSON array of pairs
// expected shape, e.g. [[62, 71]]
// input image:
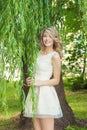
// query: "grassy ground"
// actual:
[[77, 101]]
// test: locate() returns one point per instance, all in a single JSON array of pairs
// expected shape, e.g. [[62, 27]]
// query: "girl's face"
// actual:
[[47, 40]]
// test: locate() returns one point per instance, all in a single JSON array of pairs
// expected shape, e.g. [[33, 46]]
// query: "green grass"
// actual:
[[77, 101], [9, 100], [75, 128]]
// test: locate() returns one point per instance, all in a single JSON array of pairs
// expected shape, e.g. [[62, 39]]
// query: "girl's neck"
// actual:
[[48, 50]]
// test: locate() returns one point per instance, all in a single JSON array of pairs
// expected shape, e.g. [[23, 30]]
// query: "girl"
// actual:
[[46, 77]]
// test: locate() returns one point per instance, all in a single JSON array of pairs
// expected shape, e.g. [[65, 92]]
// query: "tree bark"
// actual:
[[68, 116]]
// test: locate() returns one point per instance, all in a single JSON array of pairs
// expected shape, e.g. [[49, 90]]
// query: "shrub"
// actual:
[[79, 83]]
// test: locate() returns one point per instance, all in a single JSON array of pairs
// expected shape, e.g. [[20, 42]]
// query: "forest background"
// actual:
[[20, 25]]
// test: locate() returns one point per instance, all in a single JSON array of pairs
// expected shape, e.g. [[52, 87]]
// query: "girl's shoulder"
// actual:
[[56, 55], [52, 54]]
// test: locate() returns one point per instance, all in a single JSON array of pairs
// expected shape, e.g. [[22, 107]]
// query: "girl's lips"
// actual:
[[47, 42]]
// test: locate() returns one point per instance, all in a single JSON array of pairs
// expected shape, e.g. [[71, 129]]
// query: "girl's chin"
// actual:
[[48, 45]]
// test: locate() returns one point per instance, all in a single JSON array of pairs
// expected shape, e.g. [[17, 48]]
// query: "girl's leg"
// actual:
[[37, 124], [47, 123]]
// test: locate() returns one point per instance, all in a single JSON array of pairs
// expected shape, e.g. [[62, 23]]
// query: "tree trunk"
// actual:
[[68, 116]]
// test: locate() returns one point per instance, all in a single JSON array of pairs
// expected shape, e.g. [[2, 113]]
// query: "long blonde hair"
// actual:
[[57, 46]]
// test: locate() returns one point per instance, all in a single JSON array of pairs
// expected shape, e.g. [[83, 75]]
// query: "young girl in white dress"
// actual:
[[46, 77]]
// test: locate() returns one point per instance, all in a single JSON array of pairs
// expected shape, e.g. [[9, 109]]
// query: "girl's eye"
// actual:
[[44, 36]]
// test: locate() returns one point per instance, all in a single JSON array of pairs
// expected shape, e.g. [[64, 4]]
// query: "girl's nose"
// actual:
[[47, 38]]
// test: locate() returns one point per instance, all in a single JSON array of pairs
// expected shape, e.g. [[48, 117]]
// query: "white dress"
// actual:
[[47, 100]]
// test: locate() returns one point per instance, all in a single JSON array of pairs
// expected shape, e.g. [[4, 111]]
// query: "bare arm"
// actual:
[[56, 62]]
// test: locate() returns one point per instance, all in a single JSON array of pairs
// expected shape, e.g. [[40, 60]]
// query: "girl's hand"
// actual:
[[28, 81]]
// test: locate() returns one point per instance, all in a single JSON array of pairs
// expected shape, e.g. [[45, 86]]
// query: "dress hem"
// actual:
[[43, 116]]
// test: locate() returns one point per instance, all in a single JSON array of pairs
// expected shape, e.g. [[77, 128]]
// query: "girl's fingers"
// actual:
[[28, 78], [29, 81]]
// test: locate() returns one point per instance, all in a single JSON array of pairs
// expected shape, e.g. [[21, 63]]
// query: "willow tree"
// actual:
[[20, 23]]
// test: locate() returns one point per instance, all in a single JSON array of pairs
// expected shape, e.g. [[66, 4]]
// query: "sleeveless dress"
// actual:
[[48, 104]]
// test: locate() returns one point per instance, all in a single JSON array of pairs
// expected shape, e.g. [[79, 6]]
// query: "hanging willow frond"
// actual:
[[20, 22]]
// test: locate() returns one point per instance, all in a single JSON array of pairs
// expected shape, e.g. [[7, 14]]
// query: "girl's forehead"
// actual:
[[46, 33]]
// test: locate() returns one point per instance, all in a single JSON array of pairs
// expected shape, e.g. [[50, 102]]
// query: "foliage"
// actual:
[[74, 83], [18, 38], [21, 22], [75, 40], [79, 83], [74, 128]]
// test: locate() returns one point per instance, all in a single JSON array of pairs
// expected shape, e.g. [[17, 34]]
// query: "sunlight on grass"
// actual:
[[12, 103], [78, 103]]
